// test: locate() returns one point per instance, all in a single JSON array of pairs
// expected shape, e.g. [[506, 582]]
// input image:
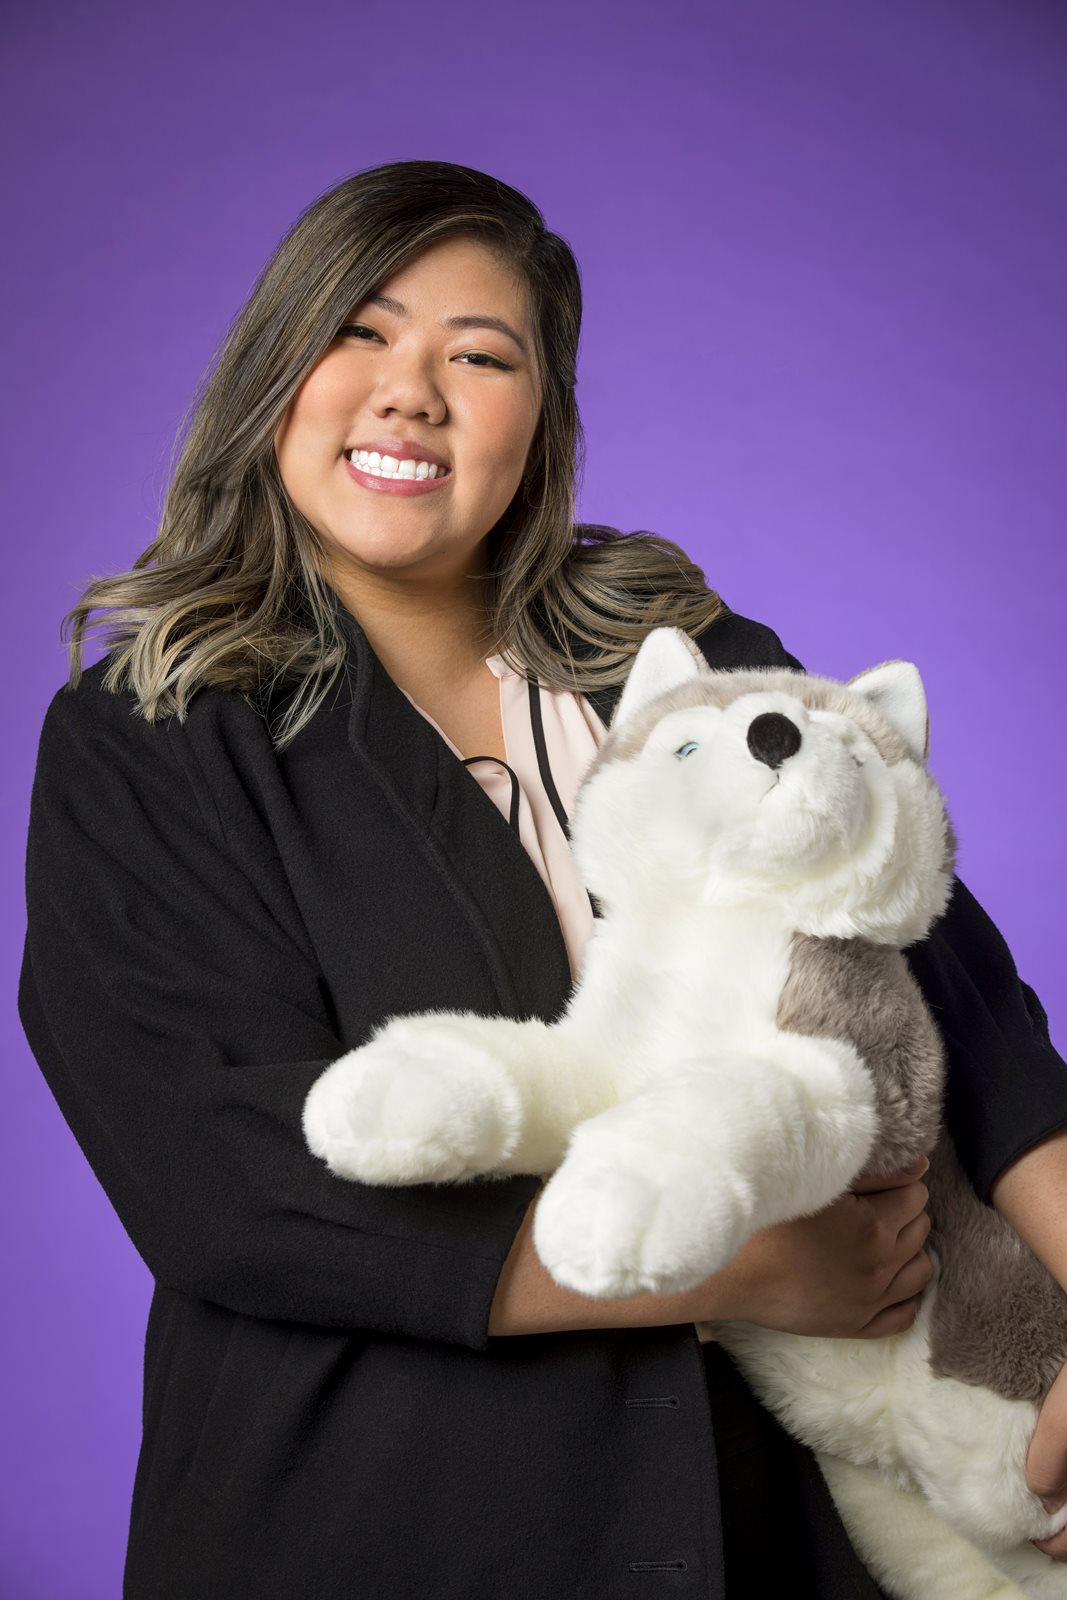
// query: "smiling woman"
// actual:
[[350, 1383], [417, 311]]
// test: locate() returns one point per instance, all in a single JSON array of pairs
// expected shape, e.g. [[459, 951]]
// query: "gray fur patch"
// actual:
[[1000, 1318], [865, 993]]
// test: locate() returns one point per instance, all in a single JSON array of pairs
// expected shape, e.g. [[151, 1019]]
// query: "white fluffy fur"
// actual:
[[676, 1119], [927, 1473], [904, 1544]]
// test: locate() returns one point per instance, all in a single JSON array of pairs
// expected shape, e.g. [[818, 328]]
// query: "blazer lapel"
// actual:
[[490, 876]]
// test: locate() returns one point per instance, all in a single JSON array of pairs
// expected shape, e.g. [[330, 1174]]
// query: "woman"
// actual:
[[254, 834]]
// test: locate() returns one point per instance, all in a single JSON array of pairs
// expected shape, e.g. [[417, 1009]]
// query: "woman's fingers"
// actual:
[[902, 1299], [894, 1319], [914, 1234], [855, 1269], [910, 1281], [885, 1214], [892, 1180], [903, 1216]]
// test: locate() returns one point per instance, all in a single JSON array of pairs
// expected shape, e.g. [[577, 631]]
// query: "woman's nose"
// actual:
[[405, 384], [773, 738]]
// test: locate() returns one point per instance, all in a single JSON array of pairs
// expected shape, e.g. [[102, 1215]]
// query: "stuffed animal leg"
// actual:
[[918, 1464], [662, 1190], [445, 1096], [651, 1194], [902, 1542]]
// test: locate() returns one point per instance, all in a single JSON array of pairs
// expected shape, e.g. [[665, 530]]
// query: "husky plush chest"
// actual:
[[745, 1040]]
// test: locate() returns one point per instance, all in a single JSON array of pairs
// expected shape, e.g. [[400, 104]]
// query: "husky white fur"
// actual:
[[746, 1039]]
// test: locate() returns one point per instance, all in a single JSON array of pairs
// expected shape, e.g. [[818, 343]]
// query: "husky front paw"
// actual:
[[418, 1103], [612, 1223]]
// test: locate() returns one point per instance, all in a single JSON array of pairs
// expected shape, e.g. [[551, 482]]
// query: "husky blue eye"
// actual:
[[687, 749]]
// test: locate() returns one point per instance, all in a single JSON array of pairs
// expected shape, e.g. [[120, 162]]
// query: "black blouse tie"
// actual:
[[545, 769]]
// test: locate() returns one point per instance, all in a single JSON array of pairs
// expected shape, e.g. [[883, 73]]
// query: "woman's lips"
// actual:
[[395, 485]]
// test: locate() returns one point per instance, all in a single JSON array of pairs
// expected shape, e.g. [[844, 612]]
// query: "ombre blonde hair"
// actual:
[[230, 592]]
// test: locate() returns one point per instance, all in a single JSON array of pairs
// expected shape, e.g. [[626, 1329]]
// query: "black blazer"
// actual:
[[211, 924]]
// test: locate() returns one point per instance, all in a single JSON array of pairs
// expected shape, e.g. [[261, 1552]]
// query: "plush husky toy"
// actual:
[[746, 1040]]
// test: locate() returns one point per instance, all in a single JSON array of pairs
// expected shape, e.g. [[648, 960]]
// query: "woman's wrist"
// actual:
[[528, 1300]]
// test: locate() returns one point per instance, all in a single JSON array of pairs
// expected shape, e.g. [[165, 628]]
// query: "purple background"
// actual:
[[823, 255]]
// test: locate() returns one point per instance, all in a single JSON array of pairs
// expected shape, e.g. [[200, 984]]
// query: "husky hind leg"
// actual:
[[959, 1449], [911, 1552]]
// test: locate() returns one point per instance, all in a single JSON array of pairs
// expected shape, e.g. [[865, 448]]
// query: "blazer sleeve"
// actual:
[[179, 1027], [1006, 1086]]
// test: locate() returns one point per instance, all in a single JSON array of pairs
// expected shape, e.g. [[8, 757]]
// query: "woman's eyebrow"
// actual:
[[478, 319]]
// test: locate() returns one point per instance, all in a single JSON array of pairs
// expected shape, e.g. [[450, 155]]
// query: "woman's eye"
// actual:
[[687, 749], [351, 329], [478, 355]]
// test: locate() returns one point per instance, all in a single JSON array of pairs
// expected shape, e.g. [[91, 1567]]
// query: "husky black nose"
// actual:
[[773, 738]]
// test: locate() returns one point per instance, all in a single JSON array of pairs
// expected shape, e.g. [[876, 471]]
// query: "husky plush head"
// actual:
[[767, 786]]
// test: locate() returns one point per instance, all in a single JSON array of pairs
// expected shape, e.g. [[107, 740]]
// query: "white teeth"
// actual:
[[380, 466]]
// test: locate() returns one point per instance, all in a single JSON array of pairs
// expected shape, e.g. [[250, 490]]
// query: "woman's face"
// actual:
[[399, 374]]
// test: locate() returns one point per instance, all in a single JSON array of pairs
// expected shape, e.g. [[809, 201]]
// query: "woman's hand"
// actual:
[[855, 1270], [1046, 1462]]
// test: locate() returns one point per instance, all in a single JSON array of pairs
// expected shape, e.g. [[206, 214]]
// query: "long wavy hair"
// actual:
[[230, 593]]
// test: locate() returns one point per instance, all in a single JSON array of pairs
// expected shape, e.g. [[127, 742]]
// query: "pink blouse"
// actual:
[[573, 732]]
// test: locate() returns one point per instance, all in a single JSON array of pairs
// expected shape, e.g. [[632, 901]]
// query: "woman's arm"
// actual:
[[1031, 1193], [856, 1269], [1006, 1089], [178, 1015]]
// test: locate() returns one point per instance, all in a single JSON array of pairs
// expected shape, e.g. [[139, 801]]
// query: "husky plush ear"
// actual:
[[667, 657], [896, 691]]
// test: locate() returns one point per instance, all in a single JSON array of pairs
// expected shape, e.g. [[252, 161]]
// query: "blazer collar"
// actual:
[[495, 885]]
